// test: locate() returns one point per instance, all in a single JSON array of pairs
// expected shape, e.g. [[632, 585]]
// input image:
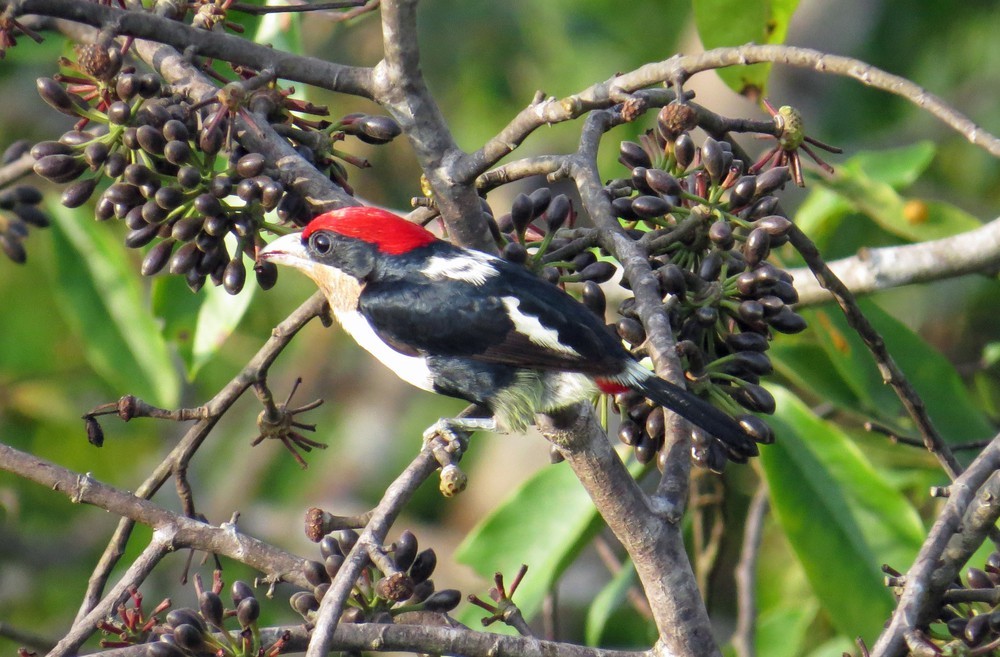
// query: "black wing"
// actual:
[[462, 319]]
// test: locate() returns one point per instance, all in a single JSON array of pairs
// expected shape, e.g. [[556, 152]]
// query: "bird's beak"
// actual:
[[286, 250]]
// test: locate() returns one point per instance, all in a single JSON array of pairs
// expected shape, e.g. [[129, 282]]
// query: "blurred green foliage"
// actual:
[[484, 61]]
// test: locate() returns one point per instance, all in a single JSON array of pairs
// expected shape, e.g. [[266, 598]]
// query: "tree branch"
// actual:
[[194, 437], [217, 45], [655, 545], [259, 136], [546, 111], [376, 637], [137, 572], [973, 252], [396, 496], [744, 638], [674, 484], [182, 532], [890, 371], [963, 524], [401, 89]]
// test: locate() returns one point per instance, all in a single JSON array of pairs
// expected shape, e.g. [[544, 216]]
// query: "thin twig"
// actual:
[[258, 10], [136, 574], [194, 437], [396, 496], [891, 373], [25, 639], [679, 68], [17, 169], [744, 638]]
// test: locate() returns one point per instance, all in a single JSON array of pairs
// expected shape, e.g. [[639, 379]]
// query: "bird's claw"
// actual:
[[453, 438]]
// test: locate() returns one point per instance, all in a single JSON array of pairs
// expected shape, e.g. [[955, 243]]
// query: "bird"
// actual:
[[467, 324]]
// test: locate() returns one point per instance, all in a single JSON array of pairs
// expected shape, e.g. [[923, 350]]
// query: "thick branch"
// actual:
[[634, 257], [655, 546], [424, 639], [401, 89], [218, 45], [971, 511], [182, 532], [976, 251]]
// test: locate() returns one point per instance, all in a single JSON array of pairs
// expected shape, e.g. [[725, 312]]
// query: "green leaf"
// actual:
[[898, 167], [218, 317], [101, 298], [841, 517], [280, 30], [991, 354], [544, 524], [176, 306], [607, 602], [806, 366], [781, 631], [914, 219], [199, 323], [948, 402], [835, 647], [821, 212], [723, 23]]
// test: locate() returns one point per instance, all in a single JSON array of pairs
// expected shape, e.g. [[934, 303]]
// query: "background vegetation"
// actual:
[[845, 500]]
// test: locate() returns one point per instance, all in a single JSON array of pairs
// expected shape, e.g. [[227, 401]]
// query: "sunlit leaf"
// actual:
[[912, 219], [948, 402], [282, 30], [841, 517], [198, 324], [723, 23], [544, 524], [101, 297], [821, 211], [782, 631]]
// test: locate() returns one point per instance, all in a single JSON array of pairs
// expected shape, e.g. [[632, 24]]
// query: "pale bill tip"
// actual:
[[283, 249]]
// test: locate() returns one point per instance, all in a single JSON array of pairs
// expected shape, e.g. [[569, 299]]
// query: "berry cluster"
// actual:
[[532, 223], [709, 226], [18, 211], [401, 584], [170, 169], [188, 632]]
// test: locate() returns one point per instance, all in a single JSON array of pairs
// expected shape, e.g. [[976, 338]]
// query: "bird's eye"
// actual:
[[321, 243]]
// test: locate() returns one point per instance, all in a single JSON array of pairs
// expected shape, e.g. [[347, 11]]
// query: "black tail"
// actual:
[[696, 410]]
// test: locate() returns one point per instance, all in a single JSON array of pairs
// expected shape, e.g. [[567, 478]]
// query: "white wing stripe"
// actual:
[[534, 330], [472, 267]]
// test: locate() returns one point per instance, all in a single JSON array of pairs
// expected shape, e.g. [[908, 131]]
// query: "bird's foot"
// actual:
[[447, 439], [454, 431]]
